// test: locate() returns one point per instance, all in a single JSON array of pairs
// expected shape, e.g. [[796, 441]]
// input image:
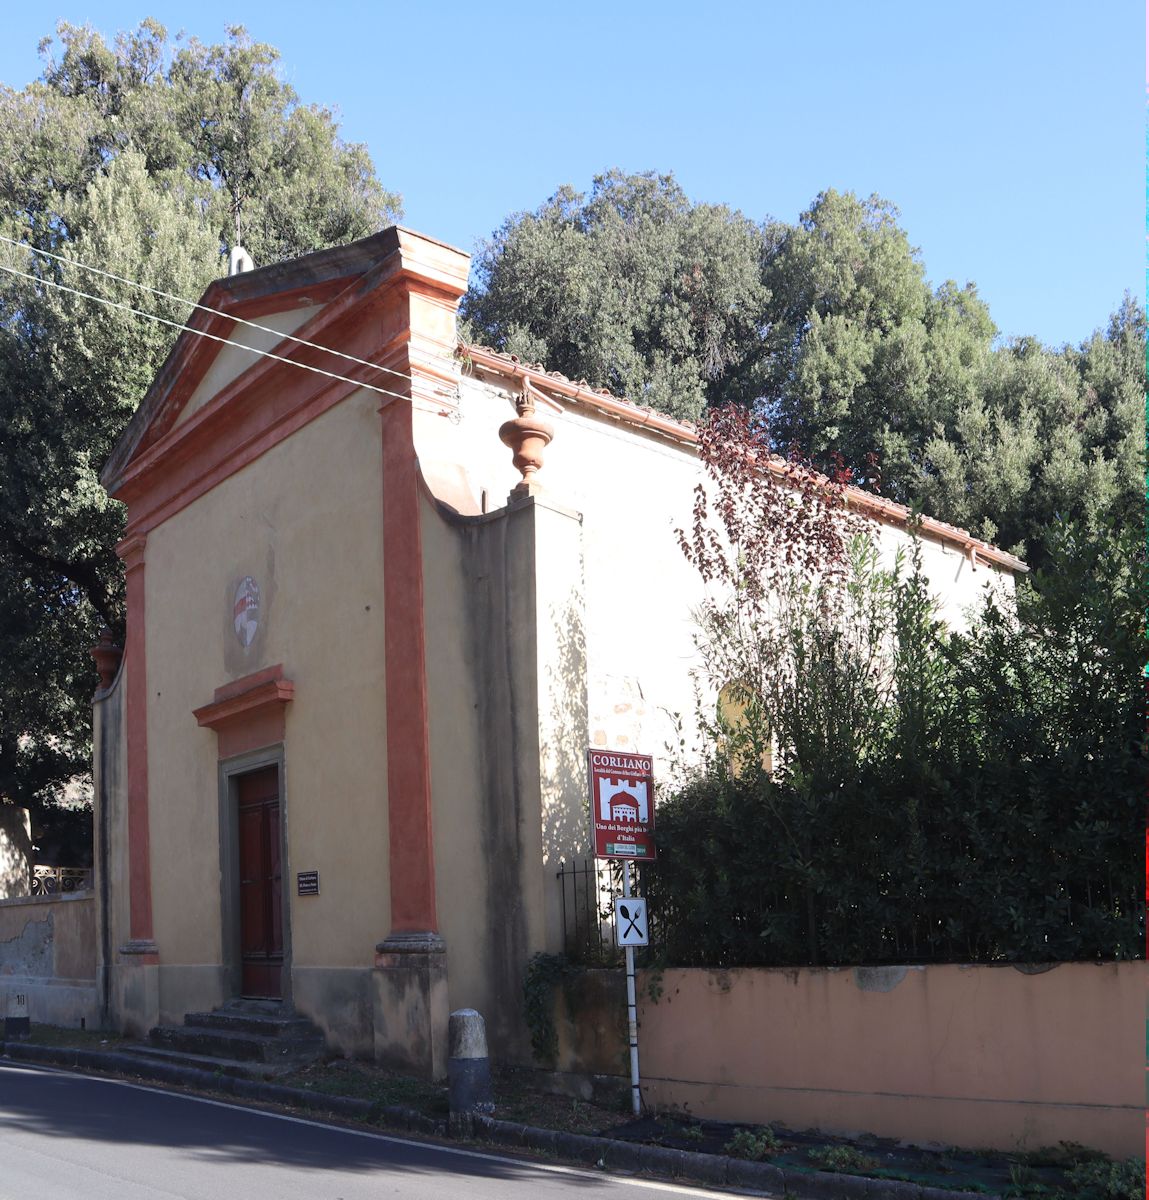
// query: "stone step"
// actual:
[[207, 1062], [256, 1008], [275, 1025], [235, 1044]]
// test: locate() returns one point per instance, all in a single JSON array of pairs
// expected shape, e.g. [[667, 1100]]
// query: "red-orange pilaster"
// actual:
[[131, 551], [408, 754]]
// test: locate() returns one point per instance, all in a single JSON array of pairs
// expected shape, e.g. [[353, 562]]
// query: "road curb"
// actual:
[[714, 1169], [608, 1153]]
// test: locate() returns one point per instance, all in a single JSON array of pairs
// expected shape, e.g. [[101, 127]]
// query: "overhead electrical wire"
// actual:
[[454, 415], [139, 312], [70, 262], [203, 308]]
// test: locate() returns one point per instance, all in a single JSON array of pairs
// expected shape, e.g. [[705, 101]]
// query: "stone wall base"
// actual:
[[411, 1009]]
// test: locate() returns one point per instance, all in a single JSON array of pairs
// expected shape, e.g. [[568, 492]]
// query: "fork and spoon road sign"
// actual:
[[630, 921]]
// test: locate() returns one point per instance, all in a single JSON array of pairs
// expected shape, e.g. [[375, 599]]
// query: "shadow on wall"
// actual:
[[526, 654], [563, 741]]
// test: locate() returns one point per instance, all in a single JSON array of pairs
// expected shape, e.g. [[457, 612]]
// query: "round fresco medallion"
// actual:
[[246, 611]]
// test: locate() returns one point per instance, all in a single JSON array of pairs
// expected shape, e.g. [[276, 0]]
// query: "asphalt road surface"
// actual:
[[71, 1137]]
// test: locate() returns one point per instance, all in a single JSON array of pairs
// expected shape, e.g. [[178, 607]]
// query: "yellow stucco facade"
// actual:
[[316, 553]]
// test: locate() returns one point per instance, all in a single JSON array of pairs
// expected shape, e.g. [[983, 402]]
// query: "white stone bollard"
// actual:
[[468, 1069]]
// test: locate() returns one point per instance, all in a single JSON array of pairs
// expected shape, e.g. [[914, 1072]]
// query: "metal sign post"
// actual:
[[631, 1005], [622, 818]]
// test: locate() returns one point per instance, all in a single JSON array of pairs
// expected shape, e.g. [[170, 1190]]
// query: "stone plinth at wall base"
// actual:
[[136, 988], [191, 988], [339, 1000], [410, 1004]]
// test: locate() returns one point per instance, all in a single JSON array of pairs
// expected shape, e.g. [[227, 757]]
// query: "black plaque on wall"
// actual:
[[307, 883]]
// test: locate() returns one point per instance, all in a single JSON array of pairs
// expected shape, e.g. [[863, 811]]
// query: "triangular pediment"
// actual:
[[270, 333], [207, 358]]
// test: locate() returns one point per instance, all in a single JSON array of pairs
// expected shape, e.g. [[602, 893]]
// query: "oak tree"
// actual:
[[146, 159]]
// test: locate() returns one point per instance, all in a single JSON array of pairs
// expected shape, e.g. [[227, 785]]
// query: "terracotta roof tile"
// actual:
[[687, 431]]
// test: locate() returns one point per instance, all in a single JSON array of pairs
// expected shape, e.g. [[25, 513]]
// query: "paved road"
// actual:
[[70, 1137]]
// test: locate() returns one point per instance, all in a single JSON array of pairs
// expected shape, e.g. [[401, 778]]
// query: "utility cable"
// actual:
[[139, 312], [201, 307]]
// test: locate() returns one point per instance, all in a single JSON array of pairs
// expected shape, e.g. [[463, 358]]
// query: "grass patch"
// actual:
[[74, 1039], [516, 1099], [364, 1081], [1099, 1180]]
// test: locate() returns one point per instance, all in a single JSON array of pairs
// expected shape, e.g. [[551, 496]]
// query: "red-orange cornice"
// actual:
[[248, 417], [246, 698], [130, 550]]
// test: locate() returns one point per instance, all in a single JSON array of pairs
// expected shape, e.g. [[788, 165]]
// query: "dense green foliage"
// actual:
[[142, 159], [634, 289], [937, 796], [829, 329], [1050, 436]]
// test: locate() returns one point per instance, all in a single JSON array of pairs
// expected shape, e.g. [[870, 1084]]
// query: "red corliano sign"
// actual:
[[622, 804]]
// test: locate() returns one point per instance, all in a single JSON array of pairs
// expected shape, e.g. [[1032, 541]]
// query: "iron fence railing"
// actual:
[[54, 881], [587, 890]]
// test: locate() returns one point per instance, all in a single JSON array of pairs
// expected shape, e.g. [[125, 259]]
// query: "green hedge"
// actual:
[[997, 815]]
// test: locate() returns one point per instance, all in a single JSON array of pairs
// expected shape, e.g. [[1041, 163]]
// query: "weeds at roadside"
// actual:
[[1066, 1171], [1063, 1155], [746, 1143], [843, 1159], [1108, 1180], [1023, 1182]]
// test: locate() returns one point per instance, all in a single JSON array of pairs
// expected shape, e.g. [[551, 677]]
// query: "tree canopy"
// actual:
[[632, 288], [146, 159], [829, 329]]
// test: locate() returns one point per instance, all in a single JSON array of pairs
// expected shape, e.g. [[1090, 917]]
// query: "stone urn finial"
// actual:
[[527, 436], [107, 655]]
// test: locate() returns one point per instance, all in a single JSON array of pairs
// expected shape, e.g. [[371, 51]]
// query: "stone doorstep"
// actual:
[[716, 1170], [272, 1025], [242, 1038]]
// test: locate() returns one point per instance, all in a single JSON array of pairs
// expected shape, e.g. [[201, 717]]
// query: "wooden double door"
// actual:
[[260, 884]]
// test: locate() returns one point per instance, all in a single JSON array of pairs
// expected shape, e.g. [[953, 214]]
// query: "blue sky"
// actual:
[[1010, 135]]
